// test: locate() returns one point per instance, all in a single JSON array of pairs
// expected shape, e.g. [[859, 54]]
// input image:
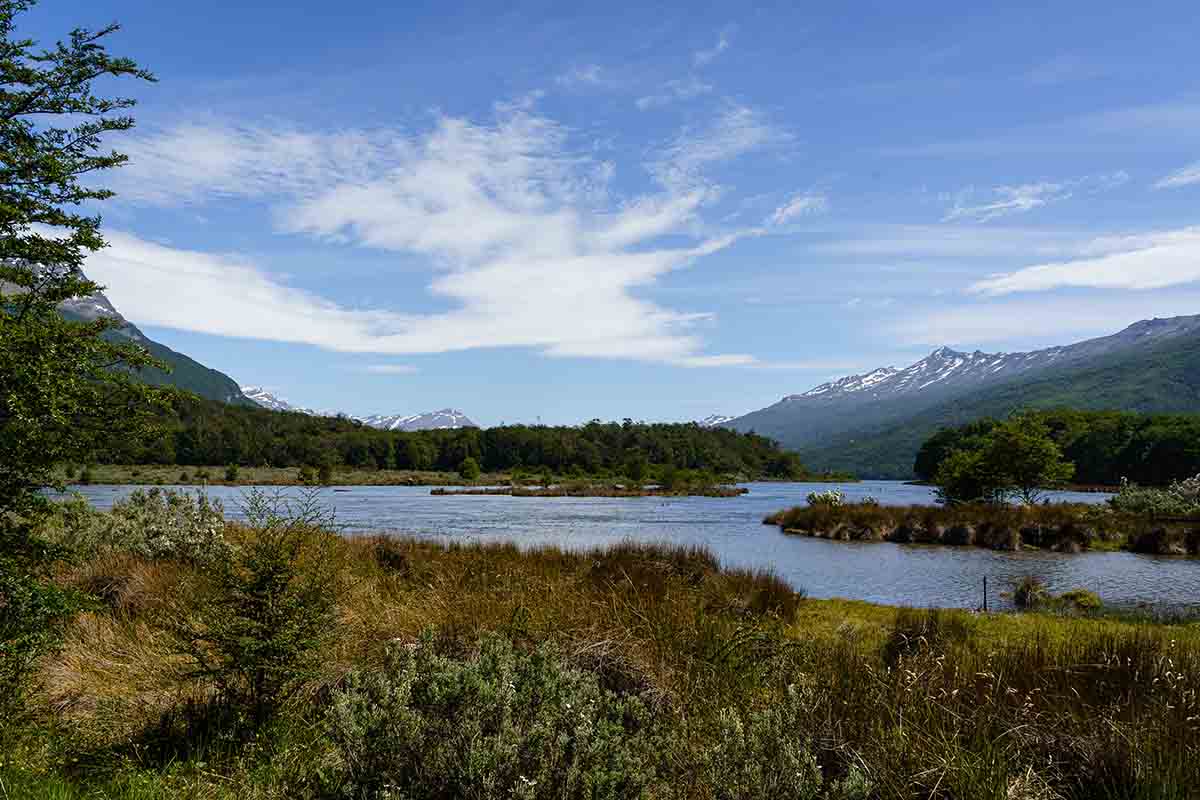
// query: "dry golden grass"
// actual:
[[933, 704]]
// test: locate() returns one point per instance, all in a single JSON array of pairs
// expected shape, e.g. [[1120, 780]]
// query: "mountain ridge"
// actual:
[[873, 423]]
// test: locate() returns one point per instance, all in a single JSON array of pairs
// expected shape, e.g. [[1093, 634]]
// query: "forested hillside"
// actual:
[[200, 432], [1104, 446], [1159, 380]]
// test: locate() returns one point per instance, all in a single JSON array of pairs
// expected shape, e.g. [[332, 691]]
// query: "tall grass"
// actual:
[[1067, 527], [743, 688]]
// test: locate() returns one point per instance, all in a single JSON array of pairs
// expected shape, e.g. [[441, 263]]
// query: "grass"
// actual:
[[906, 703], [1064, 527]]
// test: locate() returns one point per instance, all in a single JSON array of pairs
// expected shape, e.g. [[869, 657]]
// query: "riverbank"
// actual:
[[1060, 527], [159, 475], [657, 672]]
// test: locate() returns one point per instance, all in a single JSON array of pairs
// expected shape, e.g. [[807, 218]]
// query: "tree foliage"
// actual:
[[1105, 446], [1014, 458], [62, 385], [198, 432]]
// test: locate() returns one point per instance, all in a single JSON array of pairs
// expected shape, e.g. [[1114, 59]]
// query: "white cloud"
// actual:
[[1147, 261], [1039, 321], [1028, 196], [800, 205], [704, 57], [589, 75], [736, 131], [1181, 177], [949, 242], [1012, 200], [684, 89], [391, 369], [153, 284], [525, 245]]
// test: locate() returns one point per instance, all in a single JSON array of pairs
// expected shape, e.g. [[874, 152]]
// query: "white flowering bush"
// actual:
[[762, 754], [499, 724], [1181, 498], [829, 497], [154, 524]]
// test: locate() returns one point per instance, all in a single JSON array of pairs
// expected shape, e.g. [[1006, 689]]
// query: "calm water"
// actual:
[[732, 528]]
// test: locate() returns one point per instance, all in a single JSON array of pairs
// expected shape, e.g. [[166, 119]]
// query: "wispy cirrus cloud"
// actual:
[[1034, 321], [736, 131], [1181, 177], [798, 206], [519, 231], [708, 55], [1025, 197], [673, 90], [1144, 261], [588, 75], [390, 369]]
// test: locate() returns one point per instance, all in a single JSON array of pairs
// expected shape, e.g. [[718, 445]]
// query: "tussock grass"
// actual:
[[735, 668], [1064, 527]]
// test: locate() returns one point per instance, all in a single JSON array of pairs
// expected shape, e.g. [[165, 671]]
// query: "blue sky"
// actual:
[[533, 210]]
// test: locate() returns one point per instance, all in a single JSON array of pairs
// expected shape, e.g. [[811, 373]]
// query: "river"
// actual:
[[913, 575]]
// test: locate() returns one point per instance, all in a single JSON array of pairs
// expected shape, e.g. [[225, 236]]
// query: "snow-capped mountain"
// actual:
[[266, 399], [714, 420], [886, 395], [433, 420]]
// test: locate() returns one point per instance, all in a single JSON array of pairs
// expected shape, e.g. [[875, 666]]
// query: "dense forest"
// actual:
[[1105, 446], [199, 432]]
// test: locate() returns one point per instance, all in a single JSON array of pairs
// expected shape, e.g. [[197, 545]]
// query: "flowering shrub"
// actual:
[[830, 497], [155, 524], [1181, 498], [521, 724]]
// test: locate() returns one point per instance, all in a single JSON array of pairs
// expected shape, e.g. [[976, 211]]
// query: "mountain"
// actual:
[[713, 421], [434, 420], [874, 423], [185, 373], [260, 396]]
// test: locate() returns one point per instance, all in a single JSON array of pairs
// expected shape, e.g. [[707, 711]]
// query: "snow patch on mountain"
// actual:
[[443, 419], [714, 421]]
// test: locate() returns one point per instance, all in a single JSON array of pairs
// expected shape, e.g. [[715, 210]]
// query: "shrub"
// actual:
[[156, 524], [85, 476], [202, 475], [469, 469], [325, 474], [231, 473], [268, 607], [1030, 593], [761, 754], [501, 723], [1180, 499], [184, 477], [833, 498], [33, 611], [307, 476], [1081, 600]]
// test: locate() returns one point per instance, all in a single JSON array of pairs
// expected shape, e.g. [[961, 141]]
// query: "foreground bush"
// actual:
[[498, 724], [158, 524]]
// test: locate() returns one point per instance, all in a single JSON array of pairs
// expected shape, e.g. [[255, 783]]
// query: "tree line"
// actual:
[[1105, 447], [197, 432]]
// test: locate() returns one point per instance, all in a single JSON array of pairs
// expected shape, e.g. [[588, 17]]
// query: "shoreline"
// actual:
[[159, 475]]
